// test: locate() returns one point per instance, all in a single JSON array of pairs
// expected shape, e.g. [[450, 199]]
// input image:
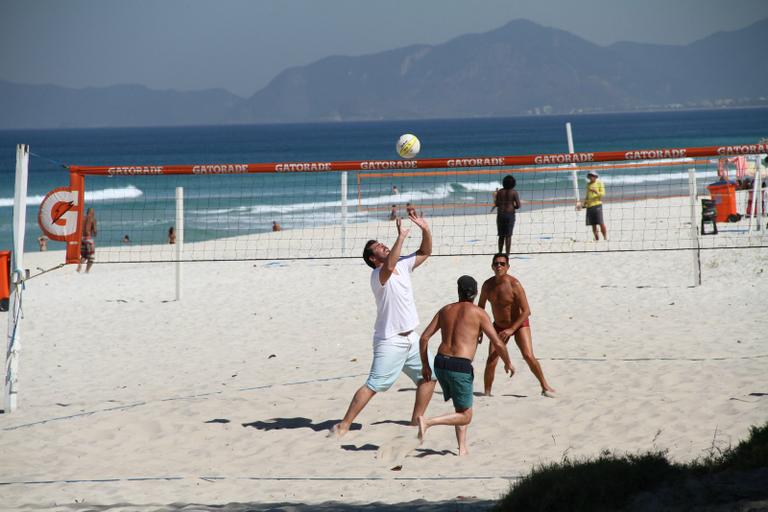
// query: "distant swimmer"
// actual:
[[510, 314], [395, 344], [276, 226], [171, 235], [87, 244], [460, 324]]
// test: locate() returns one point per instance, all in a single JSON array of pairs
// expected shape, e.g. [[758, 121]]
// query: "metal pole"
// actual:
[[760, 210], [755, 190], [344, 213], [694, 228], [573, 172], [13, 350], [179, 238]]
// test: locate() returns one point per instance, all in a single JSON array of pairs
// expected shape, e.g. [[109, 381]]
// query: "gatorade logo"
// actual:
[[58, 216]]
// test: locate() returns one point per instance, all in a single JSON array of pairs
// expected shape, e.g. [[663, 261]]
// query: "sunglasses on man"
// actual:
[[499, 264]]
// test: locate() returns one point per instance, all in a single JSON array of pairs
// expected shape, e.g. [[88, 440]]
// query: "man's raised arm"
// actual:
[[425, 249], [394, 252]]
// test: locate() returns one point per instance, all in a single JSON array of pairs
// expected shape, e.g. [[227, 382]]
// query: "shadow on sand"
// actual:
[[294, 423]]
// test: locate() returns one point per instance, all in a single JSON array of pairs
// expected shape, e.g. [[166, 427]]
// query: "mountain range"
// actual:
[[521, 68]]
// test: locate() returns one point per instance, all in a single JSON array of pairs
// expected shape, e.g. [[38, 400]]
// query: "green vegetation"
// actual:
[[611, 481]]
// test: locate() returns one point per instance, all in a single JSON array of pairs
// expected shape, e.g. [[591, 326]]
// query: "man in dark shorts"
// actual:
[[507, 201], [460, 324], [594, 205], [510, 314]]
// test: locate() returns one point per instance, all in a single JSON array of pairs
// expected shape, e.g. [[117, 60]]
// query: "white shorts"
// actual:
[[394, 355]]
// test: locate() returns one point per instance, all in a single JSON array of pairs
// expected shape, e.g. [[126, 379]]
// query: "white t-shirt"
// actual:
[[395, 307]]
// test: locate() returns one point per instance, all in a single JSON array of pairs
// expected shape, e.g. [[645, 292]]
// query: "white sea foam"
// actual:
[[414, 196], [635, 179], [107, 194]]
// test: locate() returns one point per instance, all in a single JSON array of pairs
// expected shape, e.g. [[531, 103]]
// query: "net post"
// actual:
[[77, 183], [179, 230], [757, 202], [344, 213], [694, 228], [751, 208], [575, 180], [759, 194], [13, 350]]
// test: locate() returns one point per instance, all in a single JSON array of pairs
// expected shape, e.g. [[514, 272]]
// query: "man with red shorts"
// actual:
[[510, 318]]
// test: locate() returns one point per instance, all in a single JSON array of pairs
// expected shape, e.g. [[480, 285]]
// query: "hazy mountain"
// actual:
[[520, 68]]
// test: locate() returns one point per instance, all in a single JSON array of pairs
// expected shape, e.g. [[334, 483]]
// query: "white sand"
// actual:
[[120, 382]]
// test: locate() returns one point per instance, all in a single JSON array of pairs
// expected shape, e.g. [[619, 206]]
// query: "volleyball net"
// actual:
[[654, 200]]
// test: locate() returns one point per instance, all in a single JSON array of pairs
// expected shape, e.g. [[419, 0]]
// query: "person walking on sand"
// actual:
[[507, 201], [87, 245], [461, 324], [395, 344], [510, 318], [593, 202]]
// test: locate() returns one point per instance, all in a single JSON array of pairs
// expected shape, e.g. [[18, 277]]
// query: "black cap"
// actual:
[[467, 286]]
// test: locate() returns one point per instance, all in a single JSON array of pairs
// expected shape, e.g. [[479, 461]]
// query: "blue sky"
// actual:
[[240, 45]]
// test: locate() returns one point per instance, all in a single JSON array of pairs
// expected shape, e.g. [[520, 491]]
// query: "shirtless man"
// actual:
[[510, 318], [87, 245], [460, 323], [507, 201]]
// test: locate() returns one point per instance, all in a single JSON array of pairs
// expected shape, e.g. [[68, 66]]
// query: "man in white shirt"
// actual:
[[395, 343]]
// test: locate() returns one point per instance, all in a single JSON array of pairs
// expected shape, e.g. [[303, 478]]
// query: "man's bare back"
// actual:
[[507, 200], [460, 325]]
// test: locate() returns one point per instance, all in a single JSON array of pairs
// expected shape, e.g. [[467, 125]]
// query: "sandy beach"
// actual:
[[131, 400]]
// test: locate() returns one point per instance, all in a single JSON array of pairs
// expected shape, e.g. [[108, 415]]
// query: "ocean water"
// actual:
[[219, 206]]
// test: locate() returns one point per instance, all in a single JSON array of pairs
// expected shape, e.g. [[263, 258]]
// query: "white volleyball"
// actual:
[[408, 145]]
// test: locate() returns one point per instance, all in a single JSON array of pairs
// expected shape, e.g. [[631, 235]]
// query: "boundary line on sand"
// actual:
[[328, 379], [185, 397], [257, 478]]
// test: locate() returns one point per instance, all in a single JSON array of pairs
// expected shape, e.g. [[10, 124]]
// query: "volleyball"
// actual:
[[408, 145]]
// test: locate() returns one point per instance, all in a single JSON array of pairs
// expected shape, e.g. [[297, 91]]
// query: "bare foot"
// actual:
[[463, 451], [422, 428], [337, 432], [549, 393], [487, 393]]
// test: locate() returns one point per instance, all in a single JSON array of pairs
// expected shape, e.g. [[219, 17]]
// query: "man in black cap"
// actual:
[[460, 324]]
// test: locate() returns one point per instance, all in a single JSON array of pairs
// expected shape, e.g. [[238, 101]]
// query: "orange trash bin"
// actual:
[[724, 195], [5, 276]]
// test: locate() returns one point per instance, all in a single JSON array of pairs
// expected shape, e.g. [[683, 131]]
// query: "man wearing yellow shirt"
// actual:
[[594, 205]]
